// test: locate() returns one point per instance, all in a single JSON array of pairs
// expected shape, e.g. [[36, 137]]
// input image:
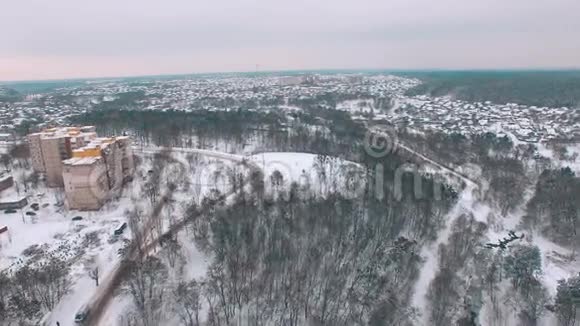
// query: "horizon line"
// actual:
[[327, 70]]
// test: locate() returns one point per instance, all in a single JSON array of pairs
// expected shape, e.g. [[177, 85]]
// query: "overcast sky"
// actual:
[[42, 39]]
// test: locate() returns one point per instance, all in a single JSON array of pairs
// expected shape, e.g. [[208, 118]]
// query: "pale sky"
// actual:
[[42, 39]]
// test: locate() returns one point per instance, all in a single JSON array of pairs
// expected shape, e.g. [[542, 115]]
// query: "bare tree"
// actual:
[[187, 298], [277, 181], [135, 222], [94, 274], [171, 250], [92, 268], [5, 288], [146, 285]]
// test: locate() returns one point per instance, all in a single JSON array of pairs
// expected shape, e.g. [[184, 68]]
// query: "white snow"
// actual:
[[465, 204], [356, 106], [321, 174]]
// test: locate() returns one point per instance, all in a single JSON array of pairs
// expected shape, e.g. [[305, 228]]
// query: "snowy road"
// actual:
[[204, 152], [470, 182]]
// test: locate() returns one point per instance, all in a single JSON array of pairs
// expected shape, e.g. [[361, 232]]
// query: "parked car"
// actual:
[[77, 218], [10, 211], [82, 315], [122, 251], [31, 213], [121, 228]]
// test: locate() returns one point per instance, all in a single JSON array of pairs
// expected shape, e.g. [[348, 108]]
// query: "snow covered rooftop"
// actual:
[[82, 160]]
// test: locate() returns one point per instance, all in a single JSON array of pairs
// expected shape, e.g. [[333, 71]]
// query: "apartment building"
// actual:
[[97, 172], [92, 169], [85, 182], [52, 146]]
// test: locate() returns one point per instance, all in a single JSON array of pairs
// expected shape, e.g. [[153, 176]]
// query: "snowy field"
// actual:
[[320, 174], [357, 106]]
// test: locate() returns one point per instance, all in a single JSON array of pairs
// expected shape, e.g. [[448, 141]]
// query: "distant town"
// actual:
[[367, 97]]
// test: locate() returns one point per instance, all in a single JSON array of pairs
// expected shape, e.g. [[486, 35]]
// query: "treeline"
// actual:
[[555, 208], [317, 130], [458, 149], [122, 101], [551, 89], [501, 163], [170, 127], [332, 99], [8, 95], [33, 290]]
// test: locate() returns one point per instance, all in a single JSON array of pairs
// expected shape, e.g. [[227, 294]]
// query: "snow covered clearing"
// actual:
[[318, 173]]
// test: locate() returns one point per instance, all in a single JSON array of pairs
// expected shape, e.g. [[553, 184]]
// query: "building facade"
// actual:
[[6, 181], [85, 183]]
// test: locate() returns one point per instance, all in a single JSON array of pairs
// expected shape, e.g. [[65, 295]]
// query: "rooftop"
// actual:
[[66, 132], [77, 161], [5, 175]]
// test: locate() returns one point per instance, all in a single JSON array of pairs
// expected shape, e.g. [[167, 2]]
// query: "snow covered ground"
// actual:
[[321, 174], [464, 205], [195, 267], [197, 173], [554, 266], [357, 106], [213, 173], [52, 227], [573, 151], [78, 242], [83, 244]]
